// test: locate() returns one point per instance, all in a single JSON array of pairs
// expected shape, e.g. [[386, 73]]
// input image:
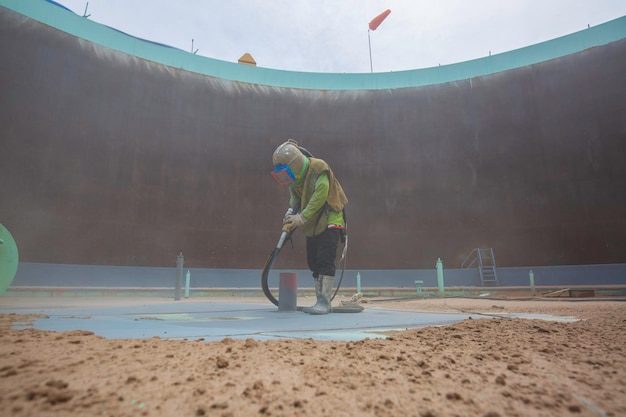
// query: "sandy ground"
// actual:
[[484, 366]]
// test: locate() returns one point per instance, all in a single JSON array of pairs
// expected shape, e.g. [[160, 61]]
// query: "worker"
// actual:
[[314, 188]]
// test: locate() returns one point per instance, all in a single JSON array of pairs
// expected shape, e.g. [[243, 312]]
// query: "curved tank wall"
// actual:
[[111, 159]]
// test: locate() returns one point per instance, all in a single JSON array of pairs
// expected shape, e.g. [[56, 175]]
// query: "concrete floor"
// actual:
[[211, 319]]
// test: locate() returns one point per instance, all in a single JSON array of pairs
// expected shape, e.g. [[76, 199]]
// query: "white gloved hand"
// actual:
[[294, 220]]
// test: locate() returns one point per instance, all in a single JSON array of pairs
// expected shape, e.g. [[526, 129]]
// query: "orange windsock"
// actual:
[[379, 19]]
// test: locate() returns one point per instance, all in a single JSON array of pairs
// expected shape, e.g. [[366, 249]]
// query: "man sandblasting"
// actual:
[[313, 185]]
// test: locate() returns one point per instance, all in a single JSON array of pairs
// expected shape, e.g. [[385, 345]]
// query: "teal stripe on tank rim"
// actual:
[[52, 14]]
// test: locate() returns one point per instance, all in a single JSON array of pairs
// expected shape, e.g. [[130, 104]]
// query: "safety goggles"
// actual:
[[283, 174]]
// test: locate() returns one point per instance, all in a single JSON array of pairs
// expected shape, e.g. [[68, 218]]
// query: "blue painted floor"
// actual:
[[216, 320]]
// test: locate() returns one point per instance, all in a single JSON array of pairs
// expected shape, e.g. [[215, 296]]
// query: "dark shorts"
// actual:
[[321, 252]]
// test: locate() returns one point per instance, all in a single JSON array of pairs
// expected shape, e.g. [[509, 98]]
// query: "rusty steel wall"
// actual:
[[109, 159]]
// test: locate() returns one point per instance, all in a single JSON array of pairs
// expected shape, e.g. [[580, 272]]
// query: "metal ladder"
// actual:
[[486, 263]]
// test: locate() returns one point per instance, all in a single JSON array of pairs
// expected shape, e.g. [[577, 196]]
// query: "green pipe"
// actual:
[[439, 266], [9, 258], [187, 282], [180, 260]]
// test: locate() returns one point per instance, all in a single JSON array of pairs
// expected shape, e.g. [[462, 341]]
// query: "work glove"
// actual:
[[293, 220]]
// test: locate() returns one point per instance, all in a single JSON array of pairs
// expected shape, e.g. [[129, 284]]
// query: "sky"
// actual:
[[333, 35]]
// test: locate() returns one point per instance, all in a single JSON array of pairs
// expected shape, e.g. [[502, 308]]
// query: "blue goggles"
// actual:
[[283, 174]]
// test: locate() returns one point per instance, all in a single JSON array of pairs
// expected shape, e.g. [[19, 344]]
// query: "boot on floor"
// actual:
[[323, 292]]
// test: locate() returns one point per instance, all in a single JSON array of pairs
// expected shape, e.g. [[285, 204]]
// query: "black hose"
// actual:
[[266, 269]]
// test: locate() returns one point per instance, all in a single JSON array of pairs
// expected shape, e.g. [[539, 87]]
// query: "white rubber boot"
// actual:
[[324, 292], [316, 284]]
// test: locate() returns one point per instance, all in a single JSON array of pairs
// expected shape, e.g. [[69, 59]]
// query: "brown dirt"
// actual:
[[483, 366]]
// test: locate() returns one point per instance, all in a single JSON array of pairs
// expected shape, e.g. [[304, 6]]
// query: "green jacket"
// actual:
[[321, 196]]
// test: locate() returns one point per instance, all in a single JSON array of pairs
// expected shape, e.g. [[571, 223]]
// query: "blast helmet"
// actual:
[[288, 162]]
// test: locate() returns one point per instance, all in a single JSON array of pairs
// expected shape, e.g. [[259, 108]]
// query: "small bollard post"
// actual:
[[439, 266], [531, 275], [418, 286], [187, 282], [180, 260], [358, 282], [288, 291]]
